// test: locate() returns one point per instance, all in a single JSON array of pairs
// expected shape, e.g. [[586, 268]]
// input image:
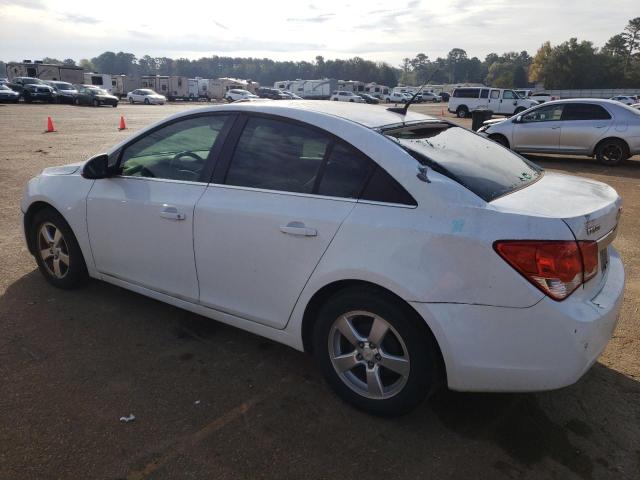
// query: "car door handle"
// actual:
[[600, 126], [172, 213], [298, 228]]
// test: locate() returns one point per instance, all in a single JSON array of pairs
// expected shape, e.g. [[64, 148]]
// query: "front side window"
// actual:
[[584, 111], [509, 95], [548, 113], [177, 151], [276, 155]]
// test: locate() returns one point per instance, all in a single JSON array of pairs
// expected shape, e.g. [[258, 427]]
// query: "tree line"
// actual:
[[570, 65]]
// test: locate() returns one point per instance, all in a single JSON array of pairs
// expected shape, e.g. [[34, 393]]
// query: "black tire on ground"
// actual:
[[612, 152], [131, 100], [76, 101], [115, 105], [501, 139], [388, 100], [27, 99], [421, 350], [146, 101], [76, 273], [462, 111], [96, 103]]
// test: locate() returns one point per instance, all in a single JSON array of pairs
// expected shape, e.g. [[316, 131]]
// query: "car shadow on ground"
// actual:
[[585, 165], [63, 348]]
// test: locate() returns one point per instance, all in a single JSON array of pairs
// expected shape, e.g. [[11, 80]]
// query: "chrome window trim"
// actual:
[[164, 180]]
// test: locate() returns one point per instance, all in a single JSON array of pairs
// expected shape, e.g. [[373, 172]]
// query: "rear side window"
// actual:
[[382, 187], [344, 173], [277, 155], [584, 111], [481, 166], [466, 92]]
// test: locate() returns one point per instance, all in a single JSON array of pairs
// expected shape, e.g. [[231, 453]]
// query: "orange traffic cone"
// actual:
[[123, 125], [50, 127], [442, 112]]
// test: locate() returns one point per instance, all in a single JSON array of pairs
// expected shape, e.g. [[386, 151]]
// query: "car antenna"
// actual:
[[405, 108]]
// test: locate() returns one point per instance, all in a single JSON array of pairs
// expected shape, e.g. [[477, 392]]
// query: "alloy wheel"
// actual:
[[612, 153], [53, 250], [368, 355]]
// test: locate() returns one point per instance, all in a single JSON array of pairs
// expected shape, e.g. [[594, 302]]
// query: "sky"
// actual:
[[386, 31]]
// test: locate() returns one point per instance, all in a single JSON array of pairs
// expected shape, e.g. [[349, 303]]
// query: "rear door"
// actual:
[[495, 101], [539, 129], [583, 125], [264, 223]]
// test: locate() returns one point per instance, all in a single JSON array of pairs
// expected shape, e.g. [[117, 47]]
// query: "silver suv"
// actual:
[[606, 129]]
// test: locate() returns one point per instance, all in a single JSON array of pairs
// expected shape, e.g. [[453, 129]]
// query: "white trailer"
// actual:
[[45, 71], [354, 86], [122, 84], [219, 87], [314, 89], [102, 80], [378, 91]]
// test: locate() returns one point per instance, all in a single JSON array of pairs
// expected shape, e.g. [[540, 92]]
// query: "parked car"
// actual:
[[88, 95], [606, 129], [430, 97], [369, 98], [542, 97], [626, 99], [291, 95], [272, 93], [32, 89], [397, 97], [146, 96], [4, 80], [66, 93], [397, 249], [345, 96], [8, 95], [239, 94], [445, 96], [499, 101], [636, 105]]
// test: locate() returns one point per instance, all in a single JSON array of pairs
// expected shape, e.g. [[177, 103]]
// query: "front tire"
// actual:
[[501, 139], [373, 352], [96, 103], [57, 252], [131, 100], [146, 101], [612, 152], [462, 112]]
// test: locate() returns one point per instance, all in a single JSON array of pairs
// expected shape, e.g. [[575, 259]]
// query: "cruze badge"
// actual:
[[592, 228]]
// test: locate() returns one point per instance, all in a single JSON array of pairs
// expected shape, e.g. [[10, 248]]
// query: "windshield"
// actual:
[[484, 167], [100, 91], [31, 81], [63, 86], [147, 92]]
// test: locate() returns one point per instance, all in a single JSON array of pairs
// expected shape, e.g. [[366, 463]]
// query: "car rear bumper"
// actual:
[[546, 346]]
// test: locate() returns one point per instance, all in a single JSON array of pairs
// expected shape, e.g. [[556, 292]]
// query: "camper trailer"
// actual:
[[45, 71], [121, 85], [219, 87], [378, 91], [311, 89], [354, 86], [102, 80]]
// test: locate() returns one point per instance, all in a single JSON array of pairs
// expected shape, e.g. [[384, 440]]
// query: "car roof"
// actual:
[[361, 113], [605, 101]]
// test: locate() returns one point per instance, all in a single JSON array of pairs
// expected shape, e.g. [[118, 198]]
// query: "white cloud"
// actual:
[[294, 30]]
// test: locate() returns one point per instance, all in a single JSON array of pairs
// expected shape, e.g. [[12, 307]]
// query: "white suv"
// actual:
[[344, 96], [499, 101]]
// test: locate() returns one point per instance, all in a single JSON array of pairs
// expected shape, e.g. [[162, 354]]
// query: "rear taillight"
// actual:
[[555, 267]]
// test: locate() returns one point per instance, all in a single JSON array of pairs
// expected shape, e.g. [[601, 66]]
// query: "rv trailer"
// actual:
[[378, 91], [102, 80], [45, 71], [121, 85], [354, 86], [219, 87], [311, 89]]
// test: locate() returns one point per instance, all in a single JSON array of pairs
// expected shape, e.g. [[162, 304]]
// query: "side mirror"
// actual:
[[97, 167], [519, 119]]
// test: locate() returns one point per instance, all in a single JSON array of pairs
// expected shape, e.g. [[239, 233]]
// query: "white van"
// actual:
[[500, 101]]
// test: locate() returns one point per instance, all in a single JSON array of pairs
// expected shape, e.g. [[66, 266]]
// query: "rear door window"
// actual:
[[481, 166], [584, 111]]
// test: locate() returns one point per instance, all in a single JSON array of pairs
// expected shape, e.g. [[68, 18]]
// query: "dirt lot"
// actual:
[[213, 402]]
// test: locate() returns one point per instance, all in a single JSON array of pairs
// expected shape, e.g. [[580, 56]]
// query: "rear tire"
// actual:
[[146, 101], [611, 152], [462, 112], [56, 249], [385, 363]]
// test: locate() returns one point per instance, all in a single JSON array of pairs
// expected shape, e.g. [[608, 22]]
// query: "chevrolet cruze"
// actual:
[[399, 249]]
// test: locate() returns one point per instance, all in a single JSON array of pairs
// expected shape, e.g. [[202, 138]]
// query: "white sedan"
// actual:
[[344, 96], [398, 249], [146, 96], [239, 94]]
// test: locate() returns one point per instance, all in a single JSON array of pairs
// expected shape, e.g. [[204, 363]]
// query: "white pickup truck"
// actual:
[[499, 101]]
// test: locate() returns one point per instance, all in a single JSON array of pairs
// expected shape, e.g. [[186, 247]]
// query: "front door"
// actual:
[[538, 130], [141, 222], [494, 101], [262, 228]]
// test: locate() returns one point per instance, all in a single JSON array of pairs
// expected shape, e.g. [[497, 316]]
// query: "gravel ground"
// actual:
[[214, 402]]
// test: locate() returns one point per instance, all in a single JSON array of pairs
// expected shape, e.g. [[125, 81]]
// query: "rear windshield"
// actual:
[[484, 167]]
